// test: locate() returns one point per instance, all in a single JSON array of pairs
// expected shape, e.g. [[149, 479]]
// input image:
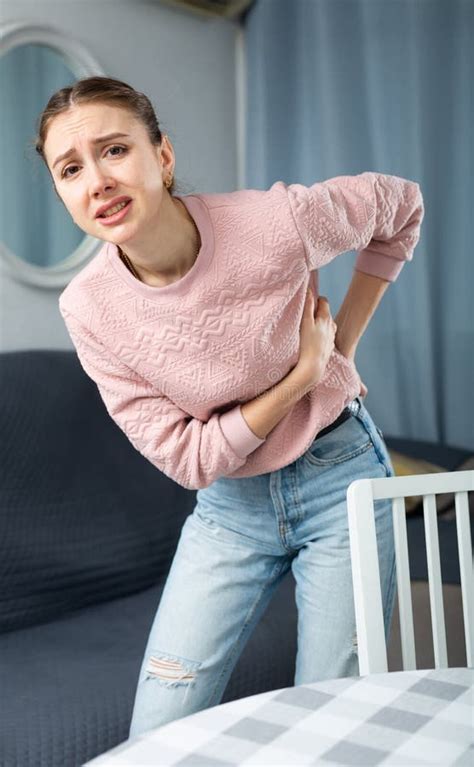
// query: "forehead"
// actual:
[[85, 122]]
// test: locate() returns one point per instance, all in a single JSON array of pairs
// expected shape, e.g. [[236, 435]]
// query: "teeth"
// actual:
[[116, 208]]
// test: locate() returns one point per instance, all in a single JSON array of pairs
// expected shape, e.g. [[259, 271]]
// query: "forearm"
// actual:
[[361, 300], [264, 412]]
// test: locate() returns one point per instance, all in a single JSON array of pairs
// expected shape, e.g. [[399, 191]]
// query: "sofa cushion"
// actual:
[[68, 686], [84, 517]]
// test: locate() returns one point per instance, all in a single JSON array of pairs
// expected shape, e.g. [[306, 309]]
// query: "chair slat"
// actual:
[[421, 484], [434, 580], [405, 607], [372, 649], [463, 527], [361, 497]]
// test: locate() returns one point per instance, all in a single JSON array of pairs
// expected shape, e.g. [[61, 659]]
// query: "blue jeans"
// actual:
[[243, 536]]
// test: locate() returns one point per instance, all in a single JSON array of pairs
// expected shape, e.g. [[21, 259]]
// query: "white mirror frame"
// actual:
[[79, 60]]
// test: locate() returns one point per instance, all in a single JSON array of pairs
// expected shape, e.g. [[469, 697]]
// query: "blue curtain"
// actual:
[[338, 87]]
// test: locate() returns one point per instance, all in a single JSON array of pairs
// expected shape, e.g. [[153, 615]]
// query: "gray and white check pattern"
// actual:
[[401, 718]]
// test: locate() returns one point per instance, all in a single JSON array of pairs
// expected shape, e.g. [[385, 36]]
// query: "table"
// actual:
[[398, 718]]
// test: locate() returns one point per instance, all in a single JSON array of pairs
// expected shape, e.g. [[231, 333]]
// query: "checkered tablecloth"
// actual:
[[401, 718]]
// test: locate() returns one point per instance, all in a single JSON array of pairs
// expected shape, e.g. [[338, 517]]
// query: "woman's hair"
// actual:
[[103, 90]]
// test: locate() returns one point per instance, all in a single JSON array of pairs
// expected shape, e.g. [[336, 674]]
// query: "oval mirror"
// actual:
[[39, 242]]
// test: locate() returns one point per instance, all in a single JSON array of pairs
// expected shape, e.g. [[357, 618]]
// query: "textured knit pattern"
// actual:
[[174, 364]]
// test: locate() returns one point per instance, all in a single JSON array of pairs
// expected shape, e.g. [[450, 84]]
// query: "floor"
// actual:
[[423, 633]]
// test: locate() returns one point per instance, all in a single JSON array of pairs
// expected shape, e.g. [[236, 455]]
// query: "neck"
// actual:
[[173, 249]]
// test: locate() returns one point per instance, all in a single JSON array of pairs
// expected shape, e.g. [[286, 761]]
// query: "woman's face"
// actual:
[[97, 172]]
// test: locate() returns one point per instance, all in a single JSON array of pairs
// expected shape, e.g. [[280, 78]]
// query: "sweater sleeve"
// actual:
[[376, 214], [193, 453]]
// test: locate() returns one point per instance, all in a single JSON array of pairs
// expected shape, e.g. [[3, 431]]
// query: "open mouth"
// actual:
[[117, 216]]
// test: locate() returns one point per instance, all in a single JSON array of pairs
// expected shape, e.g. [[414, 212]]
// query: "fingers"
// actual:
[[322, 300], [322, 310], [323, 307], [309, 301]]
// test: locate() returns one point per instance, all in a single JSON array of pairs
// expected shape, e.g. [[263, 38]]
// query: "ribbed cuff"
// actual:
[[378, 265], [238, 433]]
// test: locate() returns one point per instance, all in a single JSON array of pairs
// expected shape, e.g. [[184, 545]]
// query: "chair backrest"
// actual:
[[361, 495]]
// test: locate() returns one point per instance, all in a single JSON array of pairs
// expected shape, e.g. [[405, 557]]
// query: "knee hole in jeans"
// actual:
[[171, 670]]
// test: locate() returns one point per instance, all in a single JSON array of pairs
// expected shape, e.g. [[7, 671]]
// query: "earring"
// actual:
[[168, 181]]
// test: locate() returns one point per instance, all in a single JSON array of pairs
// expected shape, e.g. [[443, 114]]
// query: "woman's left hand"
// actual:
[[363, 389]]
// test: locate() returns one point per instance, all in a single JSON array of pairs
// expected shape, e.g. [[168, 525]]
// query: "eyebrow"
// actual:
[[98, 140]]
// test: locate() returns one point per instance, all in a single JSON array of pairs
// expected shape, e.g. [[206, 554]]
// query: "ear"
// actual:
[[167, 155]]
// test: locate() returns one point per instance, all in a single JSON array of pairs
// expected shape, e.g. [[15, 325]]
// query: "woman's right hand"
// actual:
[[317, 334]]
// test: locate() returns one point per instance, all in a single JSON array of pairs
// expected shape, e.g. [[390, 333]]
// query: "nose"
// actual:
[[99, 181]]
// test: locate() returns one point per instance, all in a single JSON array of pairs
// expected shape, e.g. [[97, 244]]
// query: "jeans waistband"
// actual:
[[351, 409]]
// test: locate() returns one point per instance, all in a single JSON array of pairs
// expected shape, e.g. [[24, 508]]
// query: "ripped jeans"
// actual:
[[243, 536]]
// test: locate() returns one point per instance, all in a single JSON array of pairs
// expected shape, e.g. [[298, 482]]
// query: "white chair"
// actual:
[[361, 495]]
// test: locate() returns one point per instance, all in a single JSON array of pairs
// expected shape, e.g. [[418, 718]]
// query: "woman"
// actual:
[[198, 323]]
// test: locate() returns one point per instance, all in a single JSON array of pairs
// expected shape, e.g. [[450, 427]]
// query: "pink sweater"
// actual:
[[174, 364]]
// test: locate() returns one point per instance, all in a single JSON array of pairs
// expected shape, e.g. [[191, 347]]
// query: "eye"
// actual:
[[64, 174], [117, 147], [123, 149]]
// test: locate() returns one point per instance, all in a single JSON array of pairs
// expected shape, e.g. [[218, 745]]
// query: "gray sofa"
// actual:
[[88, 528]]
